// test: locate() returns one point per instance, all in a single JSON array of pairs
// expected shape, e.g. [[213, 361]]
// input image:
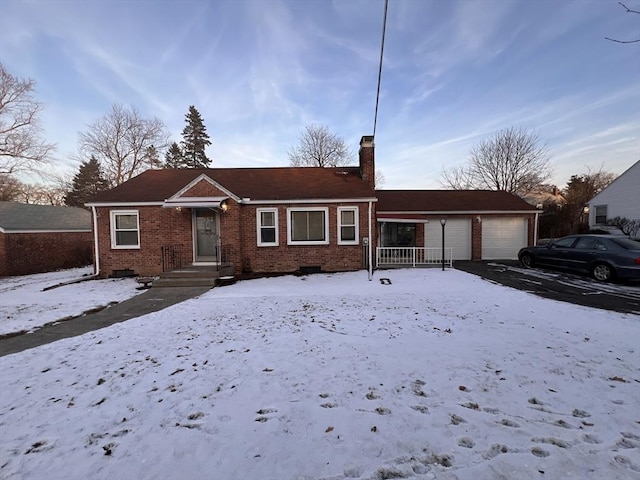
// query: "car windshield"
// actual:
[[627, 243]]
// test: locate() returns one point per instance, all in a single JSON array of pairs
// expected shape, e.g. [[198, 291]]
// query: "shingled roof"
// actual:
[[450, 201], [286, 183], [43, 218]]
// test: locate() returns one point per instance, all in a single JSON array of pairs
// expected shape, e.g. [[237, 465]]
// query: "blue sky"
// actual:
[[259, 71]]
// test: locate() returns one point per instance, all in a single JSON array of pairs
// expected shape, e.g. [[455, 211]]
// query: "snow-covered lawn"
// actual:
[[440, 375], [25, 307]]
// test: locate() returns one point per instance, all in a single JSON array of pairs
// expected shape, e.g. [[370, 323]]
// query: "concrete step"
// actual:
[[185, 282]]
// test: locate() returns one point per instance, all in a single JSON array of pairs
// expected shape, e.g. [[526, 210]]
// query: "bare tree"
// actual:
[[10, 188], [21, 145], [319, 147], [512, 160], [124, 143], [628, 10]]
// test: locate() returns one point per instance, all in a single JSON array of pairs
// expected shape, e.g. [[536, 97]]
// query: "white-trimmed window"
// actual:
[[601, 214], [347, 225], [308, 226], [267, 221], [125, 229]]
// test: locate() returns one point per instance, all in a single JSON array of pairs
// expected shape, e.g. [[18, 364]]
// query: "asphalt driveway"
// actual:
[[558, 285]]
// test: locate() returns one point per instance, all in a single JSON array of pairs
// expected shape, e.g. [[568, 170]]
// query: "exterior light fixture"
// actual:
[[224, 206], [178, 209], [443, 222]]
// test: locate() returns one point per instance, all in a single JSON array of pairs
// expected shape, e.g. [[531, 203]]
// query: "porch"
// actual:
[[412, 256], [178, 269]]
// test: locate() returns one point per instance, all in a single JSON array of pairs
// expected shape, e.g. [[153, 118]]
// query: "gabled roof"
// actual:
[[450, 201], [629, 175], [21, 217], [286, 183]]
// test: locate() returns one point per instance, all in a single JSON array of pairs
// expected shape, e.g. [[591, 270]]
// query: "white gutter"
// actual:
[[535, 230], [370, 245], [96, 252]]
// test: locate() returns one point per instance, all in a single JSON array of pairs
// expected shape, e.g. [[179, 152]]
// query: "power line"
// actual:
[[384, 28]]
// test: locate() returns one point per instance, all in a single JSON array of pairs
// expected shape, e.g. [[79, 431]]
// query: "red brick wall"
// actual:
[[289, 258], [4, 265], [158, 227], [204, 189], [238, 236], [27, 253]]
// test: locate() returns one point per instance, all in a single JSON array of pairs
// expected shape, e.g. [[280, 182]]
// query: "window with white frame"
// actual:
[[125, 229], [308, 226], [267, 221], [601, 215], [348, 225]]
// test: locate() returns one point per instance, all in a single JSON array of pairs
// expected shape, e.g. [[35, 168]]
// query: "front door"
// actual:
[[205, 235]]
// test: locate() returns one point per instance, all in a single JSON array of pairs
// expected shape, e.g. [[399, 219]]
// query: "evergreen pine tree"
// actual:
[[87, 182], [174, 157], [195, 140]]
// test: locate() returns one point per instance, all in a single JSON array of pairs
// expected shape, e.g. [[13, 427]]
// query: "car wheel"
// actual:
[[526, 259], [602, 272]]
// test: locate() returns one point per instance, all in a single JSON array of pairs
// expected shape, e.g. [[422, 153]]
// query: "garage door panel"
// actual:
[[457, 237], [503, 237]]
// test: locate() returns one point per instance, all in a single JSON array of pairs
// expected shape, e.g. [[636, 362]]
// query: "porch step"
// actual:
[[194, 276], [185, 282]]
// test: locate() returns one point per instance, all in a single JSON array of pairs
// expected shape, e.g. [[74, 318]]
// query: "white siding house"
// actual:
[[621, 198]]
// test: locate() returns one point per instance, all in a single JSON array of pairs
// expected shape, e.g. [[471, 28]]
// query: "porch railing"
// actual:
[[413, 256], [178, 256], [173, 257]]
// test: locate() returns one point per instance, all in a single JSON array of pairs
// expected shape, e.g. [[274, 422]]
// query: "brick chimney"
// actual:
[[367, 162]]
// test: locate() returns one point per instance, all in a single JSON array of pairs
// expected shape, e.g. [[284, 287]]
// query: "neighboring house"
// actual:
[[479, 224], [275, 220], [43, 238], [621, 198]]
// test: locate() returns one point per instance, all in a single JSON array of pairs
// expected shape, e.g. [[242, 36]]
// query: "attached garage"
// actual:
[[481, 224], [502, 237], [457, 236]]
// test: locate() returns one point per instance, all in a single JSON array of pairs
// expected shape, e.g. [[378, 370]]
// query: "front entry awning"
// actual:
[[196, 202]]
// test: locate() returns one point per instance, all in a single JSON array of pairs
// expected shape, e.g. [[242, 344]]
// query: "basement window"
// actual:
[[125, 229]]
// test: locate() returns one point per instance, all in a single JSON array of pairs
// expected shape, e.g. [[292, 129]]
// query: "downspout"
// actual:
[[370, 244], [96, 252], [535, 230]]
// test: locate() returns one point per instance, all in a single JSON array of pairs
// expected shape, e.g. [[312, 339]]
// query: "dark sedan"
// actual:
[[605, 257]]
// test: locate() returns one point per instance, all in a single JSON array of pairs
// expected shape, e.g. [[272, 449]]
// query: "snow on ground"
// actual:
[[440, 375], [25, 307]]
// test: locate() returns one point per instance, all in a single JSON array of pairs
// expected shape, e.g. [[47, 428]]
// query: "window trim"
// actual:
[[259, 227], [291, 210], [595, 214], [356, 220], [113, 214]]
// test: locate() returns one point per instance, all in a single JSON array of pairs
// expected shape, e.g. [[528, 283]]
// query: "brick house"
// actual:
[[254, 219], [43, 238], [275, 220]]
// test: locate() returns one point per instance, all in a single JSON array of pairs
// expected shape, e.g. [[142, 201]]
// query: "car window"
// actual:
[[588, 243], [564, 242], [627, 243]]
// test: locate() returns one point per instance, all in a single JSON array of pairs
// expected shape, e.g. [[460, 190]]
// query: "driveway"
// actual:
[[559, 285]]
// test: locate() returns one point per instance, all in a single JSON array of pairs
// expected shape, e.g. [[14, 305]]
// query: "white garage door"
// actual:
[[457, 235], [503, 237]]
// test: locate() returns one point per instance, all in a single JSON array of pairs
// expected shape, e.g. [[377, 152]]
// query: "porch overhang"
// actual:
[[401, 218], [196, 202]]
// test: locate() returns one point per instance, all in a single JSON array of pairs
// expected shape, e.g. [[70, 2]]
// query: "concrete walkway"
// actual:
[[152, 300]]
